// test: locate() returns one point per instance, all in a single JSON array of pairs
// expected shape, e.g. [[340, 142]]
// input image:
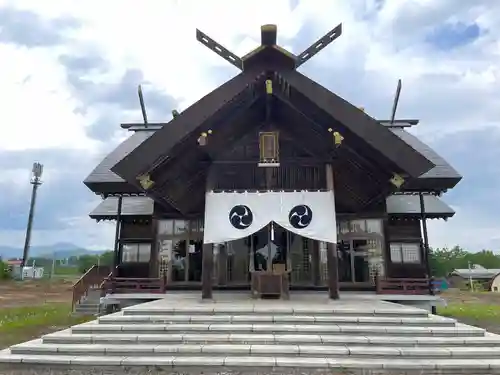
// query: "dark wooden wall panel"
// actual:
[[404, 231], [137, 231]]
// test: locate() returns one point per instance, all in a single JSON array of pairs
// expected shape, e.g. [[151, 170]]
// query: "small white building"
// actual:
[[32, 273], [495, 283]]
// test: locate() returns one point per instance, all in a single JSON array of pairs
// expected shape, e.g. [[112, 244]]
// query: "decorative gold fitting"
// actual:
[[397, 180], [145, 181], [337, 137], [203, 138], [269, 87]]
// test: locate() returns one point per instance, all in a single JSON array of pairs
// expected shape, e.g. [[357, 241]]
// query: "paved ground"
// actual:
[[297, 299]]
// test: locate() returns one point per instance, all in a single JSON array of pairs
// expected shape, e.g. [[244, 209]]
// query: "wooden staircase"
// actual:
[[87, 290]]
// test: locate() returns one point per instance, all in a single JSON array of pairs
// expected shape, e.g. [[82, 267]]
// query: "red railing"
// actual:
[[403, 286], [114, 285], [92, 278]]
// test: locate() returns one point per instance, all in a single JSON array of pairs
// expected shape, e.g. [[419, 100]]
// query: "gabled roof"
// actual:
[[213, 107], [102, 174], [476, 273], [442, 170], [360, 130]]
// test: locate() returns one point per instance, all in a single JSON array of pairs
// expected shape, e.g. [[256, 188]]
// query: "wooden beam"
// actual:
[[210, 110], [192, 164], [318, 45], [369, 137], [369, 166], [219, 49], [331, 252], [300, 127], [297, 161], [183, 159]]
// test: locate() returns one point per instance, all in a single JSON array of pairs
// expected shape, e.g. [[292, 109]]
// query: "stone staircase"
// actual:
[[261, 337], [89, 304]]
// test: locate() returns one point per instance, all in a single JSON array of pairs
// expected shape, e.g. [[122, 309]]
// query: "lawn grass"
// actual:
[[19, 324], [477, 311]]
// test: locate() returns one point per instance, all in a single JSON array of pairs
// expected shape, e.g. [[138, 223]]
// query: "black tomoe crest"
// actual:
[[300, 216], [241, 216]]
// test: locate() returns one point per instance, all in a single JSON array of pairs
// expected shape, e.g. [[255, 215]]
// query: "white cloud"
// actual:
[[158, 37], [37, 107]]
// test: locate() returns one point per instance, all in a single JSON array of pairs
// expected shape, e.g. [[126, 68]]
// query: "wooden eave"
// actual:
[[180, 181], [113, 188], [208, 111], [330, 110], [362, 182]]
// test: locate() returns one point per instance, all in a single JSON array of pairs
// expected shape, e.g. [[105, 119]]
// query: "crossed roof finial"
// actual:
[[268, 35]]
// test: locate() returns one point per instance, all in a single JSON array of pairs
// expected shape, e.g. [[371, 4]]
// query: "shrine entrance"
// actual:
[[265, 251]]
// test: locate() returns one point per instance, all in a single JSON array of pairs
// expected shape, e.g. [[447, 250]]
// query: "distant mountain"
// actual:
[[60, 250]]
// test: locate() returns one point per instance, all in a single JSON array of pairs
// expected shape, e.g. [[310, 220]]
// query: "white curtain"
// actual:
[[231, 216]]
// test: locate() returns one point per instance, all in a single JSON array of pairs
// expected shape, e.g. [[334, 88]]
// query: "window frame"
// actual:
[[138, 257], [171, 227], [402, 259]]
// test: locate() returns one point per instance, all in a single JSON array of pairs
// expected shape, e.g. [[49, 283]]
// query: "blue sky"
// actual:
[[70, 71]]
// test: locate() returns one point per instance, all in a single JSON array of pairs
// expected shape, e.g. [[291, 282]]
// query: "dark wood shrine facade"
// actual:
[[271, 128]]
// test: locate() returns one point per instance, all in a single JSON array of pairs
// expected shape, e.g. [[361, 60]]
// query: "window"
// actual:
[[405, 252], [136, 252], [360, 226], [268, 145], [197, 226], [172, 227], [374, 226]]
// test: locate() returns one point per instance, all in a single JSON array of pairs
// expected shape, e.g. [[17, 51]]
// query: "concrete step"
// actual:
[[36, 347], [221, 363], [86, 309], [458, 330], [85, 313], [88, 303], [289, 319], [272, 309], [67, 337], [85, 305]]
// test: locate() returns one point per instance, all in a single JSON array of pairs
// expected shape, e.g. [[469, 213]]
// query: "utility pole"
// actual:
[[470, 277], [36, 175]]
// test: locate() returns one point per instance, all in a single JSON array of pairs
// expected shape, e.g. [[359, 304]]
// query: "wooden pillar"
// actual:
[[207, 261], [116, 257], [222, 263], [153, 259], [331, 252], [207, 265], [423, 220], [315, 262]]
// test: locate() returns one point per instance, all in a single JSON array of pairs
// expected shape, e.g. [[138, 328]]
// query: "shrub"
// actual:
[[4, 271]]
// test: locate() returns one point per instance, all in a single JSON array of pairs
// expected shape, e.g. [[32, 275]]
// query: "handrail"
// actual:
[[117, 285], [94, 276], [403, 286]]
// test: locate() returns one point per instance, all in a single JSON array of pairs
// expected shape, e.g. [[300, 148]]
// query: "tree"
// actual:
[[4, 271], [85, 262], [443, 261]]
